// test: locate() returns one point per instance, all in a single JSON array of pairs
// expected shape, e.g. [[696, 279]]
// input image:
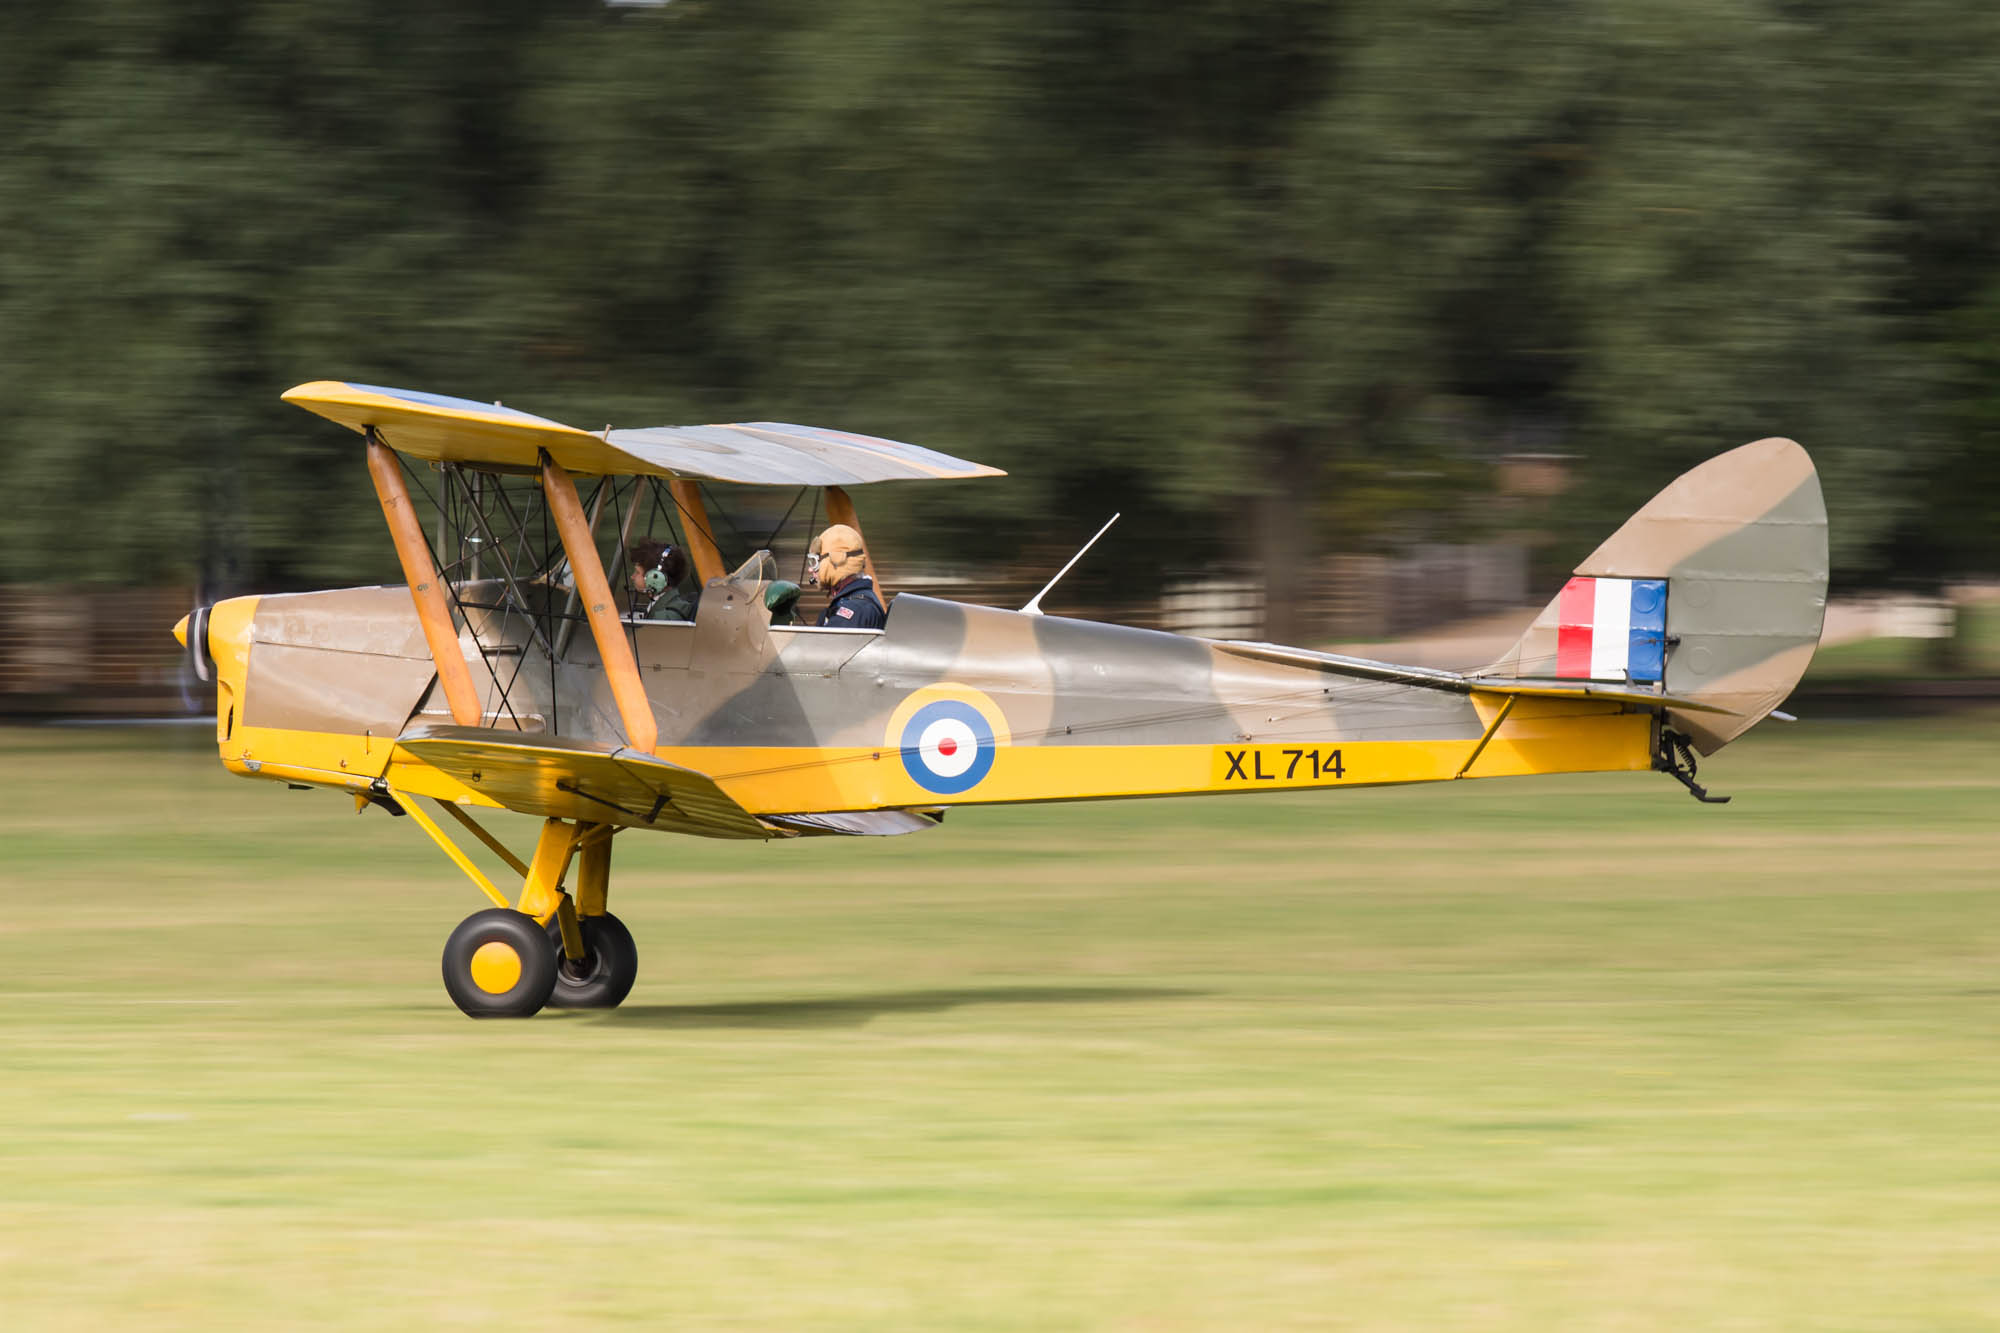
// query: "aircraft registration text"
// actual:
[[1286, 765]]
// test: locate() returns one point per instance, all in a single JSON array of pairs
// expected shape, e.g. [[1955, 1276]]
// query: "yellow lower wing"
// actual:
[[559, 779]]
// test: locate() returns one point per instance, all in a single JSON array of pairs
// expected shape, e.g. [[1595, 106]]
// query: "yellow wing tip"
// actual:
[[313, 391]]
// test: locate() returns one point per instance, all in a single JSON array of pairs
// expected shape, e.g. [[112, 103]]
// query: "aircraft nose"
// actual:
[[181, 628]]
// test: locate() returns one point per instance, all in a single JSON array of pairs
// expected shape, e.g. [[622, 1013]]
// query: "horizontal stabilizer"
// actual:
[[562, 779], [1457, 682]]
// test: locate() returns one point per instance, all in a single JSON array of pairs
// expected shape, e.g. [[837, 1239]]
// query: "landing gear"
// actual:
[[498, 964], [547, 949], [603, 977]]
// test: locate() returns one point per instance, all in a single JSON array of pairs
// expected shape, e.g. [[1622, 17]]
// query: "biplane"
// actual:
[[511, 673]]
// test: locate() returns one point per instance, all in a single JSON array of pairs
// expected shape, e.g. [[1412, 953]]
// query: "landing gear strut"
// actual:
[[547, 949]]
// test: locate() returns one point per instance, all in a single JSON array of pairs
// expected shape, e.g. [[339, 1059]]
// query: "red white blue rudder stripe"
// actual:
[[1612, 629]]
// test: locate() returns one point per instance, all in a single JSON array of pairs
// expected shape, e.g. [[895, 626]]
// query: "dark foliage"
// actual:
[[1275, 278]]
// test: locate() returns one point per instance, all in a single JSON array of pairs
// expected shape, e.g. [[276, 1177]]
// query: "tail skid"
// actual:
[[1676, 759]]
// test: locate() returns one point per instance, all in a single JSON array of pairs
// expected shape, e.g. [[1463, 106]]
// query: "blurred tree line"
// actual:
[[1276, 279]]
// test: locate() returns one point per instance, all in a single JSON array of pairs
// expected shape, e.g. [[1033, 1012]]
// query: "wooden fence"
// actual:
[[83, 650]]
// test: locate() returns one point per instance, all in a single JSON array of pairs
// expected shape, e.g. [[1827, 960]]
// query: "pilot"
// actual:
[[838, 564], [658, 569]]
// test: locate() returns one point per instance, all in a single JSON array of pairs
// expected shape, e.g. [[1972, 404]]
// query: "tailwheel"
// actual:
[[603, 977], [498, 964]]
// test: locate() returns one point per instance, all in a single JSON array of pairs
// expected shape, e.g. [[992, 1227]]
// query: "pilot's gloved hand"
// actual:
[[780, 597]]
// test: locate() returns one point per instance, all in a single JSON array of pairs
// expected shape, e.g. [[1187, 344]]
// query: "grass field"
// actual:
[[1567, 1054]]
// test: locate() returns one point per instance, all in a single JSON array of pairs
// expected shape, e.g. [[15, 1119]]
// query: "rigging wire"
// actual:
[[766, 543], [442, 500], [709, 505]]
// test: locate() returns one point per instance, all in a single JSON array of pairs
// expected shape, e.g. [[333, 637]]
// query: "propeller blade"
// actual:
[[197, 642]]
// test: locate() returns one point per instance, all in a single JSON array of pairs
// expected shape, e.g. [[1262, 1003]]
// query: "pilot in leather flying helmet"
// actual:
[[838, 564]]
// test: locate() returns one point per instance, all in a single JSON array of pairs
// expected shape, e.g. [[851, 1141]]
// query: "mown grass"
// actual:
[[1569, 1053]]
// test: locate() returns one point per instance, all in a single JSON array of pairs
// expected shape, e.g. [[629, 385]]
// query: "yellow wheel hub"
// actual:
[[496, 967]]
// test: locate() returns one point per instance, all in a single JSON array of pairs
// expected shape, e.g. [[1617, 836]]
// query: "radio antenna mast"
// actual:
[[1034, 606]]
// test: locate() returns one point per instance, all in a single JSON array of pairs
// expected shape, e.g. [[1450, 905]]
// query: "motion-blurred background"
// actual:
[[1371, 317]]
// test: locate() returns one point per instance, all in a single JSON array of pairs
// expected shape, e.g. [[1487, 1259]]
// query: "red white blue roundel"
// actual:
[[947, 747]]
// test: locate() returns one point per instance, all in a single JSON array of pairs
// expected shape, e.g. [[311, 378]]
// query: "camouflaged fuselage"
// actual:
[[797, 719], [953, 704]]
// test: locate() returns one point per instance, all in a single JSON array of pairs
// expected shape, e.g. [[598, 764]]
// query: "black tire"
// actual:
[[603, 977], [513, 978]]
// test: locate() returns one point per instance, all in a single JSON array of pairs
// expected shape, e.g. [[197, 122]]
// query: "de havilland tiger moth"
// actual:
[[510, 674]]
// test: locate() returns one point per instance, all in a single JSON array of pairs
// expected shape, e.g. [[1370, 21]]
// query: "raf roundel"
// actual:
[[947, 747]]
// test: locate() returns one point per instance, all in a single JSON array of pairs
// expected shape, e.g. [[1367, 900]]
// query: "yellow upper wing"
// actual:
[[757, 453]]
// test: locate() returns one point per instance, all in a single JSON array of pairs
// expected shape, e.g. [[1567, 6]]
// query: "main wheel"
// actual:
[[498, 964], [603, 977]]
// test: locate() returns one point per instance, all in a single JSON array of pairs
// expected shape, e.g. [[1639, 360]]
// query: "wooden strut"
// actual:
[[621, 668], [433, 612], [694, 522], [840, 509], [624, 554], [569, 602]]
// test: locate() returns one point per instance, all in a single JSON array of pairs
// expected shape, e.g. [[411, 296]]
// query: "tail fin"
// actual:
[[1715, 590]]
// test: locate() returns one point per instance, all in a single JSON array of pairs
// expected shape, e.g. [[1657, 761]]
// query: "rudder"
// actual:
[[1736, 549]]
